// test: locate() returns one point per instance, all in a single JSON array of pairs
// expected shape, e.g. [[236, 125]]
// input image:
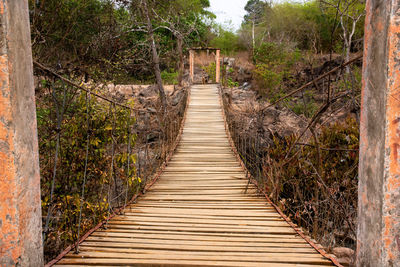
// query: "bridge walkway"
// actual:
[[199, 212]]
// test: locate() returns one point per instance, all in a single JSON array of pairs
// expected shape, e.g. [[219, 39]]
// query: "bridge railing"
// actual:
[[97, 153], [313, 179]]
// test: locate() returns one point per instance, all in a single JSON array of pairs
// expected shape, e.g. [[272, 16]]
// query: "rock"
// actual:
[[153, 136], [344, 255], [110, 87], [141, 99], [123, 89], [343, 252], [176, 98], [230, 61], [246, 86], [243, 85], [148, 91], [152, 110]]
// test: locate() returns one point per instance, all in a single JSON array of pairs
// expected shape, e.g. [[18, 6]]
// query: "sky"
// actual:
[[229, 10]]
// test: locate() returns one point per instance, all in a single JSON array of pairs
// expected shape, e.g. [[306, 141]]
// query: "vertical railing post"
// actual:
[[20, 207], [191, 65], [217, 66], [378, 234]]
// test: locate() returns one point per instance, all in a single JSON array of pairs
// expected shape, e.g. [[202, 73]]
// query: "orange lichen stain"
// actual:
[[9, 235], [5, 102], [364, 198], [393, 184], [3, 132], [388, 222], [388, 244], [393, 110], [379, 26], [9, 229]]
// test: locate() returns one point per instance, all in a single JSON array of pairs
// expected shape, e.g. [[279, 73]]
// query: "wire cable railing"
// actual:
[[97, 153], [299, 176]]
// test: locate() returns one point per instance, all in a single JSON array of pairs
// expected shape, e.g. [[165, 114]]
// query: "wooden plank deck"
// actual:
[[198, 213]]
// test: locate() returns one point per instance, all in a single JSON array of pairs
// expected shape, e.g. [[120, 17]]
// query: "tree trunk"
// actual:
[[253, 36], [347, 56], [181, 66], [156, 59]]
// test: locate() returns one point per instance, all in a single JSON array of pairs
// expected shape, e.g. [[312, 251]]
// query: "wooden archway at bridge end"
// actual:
[[217, 62]]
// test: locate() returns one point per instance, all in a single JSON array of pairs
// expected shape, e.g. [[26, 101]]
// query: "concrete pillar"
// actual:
[[20, 209], [378, 234], [191, 65], [218, 68]]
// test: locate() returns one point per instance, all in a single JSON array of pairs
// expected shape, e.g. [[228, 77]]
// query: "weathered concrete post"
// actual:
[[217, 68], [191, 65], [20, 209], [378, 240]]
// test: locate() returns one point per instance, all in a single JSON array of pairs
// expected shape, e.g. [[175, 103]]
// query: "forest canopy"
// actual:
[[110, 38]]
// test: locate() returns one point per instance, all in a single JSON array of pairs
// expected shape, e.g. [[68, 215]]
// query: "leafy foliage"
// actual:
[[273, 65], [169, 77], [107, 39], [311, 25], [225, 40], [71, 122]]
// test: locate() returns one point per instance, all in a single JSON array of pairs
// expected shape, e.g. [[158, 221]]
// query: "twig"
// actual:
[[328, 149]]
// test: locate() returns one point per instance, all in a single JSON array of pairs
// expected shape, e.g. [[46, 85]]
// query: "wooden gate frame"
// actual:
[[217, 61]]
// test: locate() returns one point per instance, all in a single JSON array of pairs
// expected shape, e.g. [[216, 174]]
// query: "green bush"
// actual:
[[273, 64], [210, 70], [307, 110], [107, 125], [226, 40], [169, 77]]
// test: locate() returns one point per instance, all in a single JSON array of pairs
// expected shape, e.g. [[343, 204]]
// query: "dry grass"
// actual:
[[243, 60], [203, 58]]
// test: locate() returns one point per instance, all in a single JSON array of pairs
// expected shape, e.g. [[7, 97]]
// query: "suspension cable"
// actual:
[[85, 169], [59, 116], [112, 107], [128, 175]]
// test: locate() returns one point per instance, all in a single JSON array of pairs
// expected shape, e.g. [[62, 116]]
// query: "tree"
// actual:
[[156, 59], [226, 40], [255, 13], [182, 18], [350, 12]]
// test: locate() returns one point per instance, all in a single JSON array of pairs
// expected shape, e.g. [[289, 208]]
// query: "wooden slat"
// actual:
[[202, 211], [277, 244]]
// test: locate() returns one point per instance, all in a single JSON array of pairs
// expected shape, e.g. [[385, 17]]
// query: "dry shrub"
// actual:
[[315, 183], [243, 60], [317, 188], [203, 58]]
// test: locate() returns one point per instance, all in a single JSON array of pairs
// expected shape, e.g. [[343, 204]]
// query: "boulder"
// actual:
[[147, 91], [177, 97], [344, 255]]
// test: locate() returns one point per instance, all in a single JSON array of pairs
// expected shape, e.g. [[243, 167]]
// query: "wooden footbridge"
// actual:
[[199, 213]]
